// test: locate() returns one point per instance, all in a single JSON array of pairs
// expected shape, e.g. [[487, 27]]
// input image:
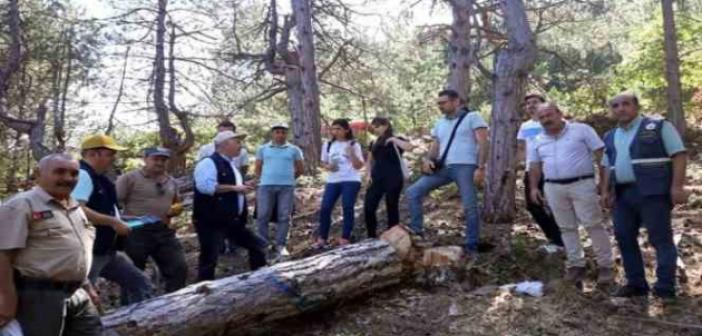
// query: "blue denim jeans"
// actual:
[[266, 197], [118, 268], [462, 175], [631, 212], [348, 191]]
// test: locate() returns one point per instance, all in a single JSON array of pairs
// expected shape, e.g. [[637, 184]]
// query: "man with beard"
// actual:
[[457, 155], [45, 255]]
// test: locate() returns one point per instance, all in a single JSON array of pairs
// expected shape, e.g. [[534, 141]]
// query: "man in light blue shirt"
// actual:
[[462, 162], [278, 164], [646, 162]]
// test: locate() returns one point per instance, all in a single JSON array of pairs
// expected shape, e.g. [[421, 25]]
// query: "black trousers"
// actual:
[[51, 312], [210, 236], [541, 216], [160, 243], [391, 188]]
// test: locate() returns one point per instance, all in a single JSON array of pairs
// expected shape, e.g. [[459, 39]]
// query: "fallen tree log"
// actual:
[[271, 293]]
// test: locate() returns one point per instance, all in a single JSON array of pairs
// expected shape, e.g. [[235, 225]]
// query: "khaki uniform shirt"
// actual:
[[52, 241], [141, 196]]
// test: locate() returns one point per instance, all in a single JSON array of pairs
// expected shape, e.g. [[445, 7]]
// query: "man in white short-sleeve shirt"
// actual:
[[564, 154], [543, 217]]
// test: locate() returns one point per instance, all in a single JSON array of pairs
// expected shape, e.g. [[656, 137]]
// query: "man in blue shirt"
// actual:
[[463, 162], [98, 198], [542, 215], [278, 164], [219, 206], [646, 162]]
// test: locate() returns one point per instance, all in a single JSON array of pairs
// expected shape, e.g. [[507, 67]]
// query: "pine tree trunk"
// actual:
[[307, 126], [672, 68], [232, 304], [164, 123], [513, 66], [461, 48]]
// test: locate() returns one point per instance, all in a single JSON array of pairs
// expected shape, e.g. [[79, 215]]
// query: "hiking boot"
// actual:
[[605, 276], [319, 244], [630, 292], [575, 275], [665, 295]]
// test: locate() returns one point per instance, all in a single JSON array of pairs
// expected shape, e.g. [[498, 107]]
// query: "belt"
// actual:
[[68, 287], [570, 180]]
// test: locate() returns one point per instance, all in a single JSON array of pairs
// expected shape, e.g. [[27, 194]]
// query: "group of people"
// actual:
[[642, 165], [77, 224]]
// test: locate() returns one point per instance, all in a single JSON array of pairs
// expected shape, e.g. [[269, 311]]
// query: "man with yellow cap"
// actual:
[[98, 198]]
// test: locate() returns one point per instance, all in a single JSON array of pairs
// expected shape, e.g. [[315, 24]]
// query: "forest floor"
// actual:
[[474, 302]]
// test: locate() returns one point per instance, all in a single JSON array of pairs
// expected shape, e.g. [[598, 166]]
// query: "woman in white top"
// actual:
[[343, 158]]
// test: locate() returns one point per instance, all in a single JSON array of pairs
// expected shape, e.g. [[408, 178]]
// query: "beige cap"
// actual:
[[226, 135]]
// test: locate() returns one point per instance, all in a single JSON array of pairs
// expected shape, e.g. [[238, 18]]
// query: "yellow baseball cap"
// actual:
[[101, 141]]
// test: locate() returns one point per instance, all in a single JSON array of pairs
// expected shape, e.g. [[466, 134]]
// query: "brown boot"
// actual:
[[605, 276], [605, 279], [575, 275]]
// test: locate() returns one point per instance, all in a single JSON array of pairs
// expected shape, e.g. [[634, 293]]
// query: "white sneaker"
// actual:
[[283, 252], [551, 248]]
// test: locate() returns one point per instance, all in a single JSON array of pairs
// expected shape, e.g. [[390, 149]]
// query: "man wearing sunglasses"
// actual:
[[646, 162], [151, 195]]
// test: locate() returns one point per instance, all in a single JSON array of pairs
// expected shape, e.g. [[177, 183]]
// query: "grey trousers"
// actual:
[[49, 312]]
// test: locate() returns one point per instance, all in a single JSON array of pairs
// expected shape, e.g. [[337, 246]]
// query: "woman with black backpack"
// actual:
[[342, 156], [387, 172]]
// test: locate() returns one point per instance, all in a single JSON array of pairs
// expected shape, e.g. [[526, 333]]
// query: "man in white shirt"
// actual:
[[528, 131], [241, 161], [219, 206], [564, 154]]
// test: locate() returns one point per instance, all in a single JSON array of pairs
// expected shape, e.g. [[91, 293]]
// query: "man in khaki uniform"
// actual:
[[151, 195], [45, 255]]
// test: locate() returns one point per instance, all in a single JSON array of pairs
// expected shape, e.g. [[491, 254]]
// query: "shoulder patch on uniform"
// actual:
[[38, 215]]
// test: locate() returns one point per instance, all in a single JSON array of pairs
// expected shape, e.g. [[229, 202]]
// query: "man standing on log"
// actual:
[[98, 198], [219, 206], [646, 162], [528, 131], [563, 155], [457, 154], [151, 195], [45, 255], [278, 164]]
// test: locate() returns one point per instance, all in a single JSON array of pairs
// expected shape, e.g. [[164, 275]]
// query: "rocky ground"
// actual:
[[474, 301]]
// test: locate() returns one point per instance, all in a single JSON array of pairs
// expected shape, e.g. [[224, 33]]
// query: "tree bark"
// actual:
[[164, 124], [286, 289], [461, 48], [307, 127], [676, 114], [513, 65], [177, 162], [120, 92]]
